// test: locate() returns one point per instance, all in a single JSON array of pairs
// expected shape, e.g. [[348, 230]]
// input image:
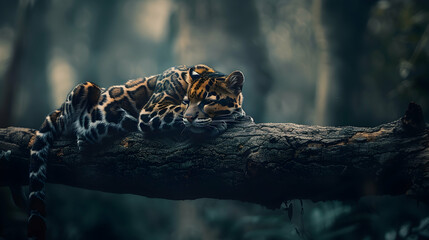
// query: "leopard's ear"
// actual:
[[235, 81]]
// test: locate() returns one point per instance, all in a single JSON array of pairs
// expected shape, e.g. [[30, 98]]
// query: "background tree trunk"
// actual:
[[11, 77], [324, 76], [345, 25]]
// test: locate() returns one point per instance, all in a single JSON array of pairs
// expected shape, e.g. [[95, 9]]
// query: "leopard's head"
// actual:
[[213, 98]]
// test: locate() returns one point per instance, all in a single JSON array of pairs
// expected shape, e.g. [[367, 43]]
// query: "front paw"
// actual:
[[218, 129], [246, 119], [212, 130], [240, 116], [178, 124], [155, 124]]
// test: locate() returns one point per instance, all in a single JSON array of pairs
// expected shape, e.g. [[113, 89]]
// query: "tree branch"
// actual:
[[263, 163]]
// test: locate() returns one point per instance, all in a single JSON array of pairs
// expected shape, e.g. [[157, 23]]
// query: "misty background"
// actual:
[[321, 62]]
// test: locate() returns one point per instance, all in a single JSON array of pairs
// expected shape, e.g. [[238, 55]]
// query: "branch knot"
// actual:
[[413, 120]]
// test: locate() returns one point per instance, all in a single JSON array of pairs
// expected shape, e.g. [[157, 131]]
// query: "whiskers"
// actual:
[[201, 122], [224, 121], [184, 130]]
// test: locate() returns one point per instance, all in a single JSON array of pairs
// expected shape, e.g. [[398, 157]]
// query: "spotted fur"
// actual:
[[197, 99]]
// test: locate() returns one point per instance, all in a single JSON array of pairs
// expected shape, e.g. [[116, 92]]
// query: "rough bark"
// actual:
[[263, 163]]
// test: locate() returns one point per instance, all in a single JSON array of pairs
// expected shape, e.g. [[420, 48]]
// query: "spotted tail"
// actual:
[[61, 121], [39, 153]]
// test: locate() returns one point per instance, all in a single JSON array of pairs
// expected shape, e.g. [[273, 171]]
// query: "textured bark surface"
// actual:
[[262, 163]]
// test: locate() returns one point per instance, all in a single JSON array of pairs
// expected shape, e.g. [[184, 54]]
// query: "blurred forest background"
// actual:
[[325, 62]]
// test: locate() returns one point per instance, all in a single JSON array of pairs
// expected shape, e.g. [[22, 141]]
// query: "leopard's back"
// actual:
[[116, 110]]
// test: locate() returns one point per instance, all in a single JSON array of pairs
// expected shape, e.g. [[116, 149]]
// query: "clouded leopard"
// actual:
[[197, 99]]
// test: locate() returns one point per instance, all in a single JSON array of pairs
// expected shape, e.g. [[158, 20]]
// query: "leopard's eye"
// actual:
[[194, 75], [209, 101]]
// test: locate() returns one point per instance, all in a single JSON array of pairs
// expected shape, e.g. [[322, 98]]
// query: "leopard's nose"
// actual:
[[190, 118]]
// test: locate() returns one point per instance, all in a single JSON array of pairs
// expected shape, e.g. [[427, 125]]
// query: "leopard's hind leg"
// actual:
[[115, 113]]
